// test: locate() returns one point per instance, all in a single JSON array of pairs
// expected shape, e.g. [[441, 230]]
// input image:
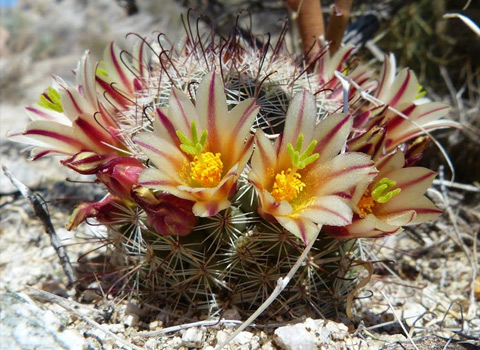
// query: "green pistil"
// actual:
[[194, 146], [51, 100], [382, 191], [101, 69], [420, 92], [301, 160]]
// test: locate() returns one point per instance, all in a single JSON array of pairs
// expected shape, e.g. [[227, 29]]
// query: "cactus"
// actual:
[[193, 221]]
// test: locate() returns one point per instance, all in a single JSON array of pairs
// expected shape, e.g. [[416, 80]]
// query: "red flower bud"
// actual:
[[87, 163], [106, 211], [167, 214], [120, 175]]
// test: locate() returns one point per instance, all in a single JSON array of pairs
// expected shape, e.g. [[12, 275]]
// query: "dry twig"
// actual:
[[407, 334], [65, 303], [206, 323], [44, 217], [472, 307]]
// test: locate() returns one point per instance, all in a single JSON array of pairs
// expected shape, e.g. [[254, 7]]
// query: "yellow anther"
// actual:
[[287, 186], [366, 204], [206, 169]]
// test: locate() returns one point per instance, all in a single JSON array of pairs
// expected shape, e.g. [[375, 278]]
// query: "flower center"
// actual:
[[287, 186], [366, 204], [206, 169], [381, 193]]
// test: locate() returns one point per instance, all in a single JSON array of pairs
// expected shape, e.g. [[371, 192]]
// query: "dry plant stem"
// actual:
[[472, 307], [470, 24], [456, 96], [40, 294], [44, 217], [399, 321], [309, 16], [207, 323], [457, 185], [337, 23], [362, 283]]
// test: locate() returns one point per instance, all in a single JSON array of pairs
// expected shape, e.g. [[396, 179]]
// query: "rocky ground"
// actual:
[[423, 294]]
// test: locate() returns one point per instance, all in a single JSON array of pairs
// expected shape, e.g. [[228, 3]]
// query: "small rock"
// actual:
[[115, 328], [25, 324], [175, 342], [193, 337], [296, 337], [232, 314], [132, 309], [154, 325], [268, 346], [243, 338], [151, 344], [92, 293], [337, 331], [97, 336], [246, 341], [131, 320], [221, 336]]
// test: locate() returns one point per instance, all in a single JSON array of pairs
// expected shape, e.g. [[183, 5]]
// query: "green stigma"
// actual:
[[301, 160], [382, 192], [51, 100], [101, 69], [420, 92], [195, 145]]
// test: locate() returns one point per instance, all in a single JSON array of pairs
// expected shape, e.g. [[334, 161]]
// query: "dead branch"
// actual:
[[65, 303], [44, 217]]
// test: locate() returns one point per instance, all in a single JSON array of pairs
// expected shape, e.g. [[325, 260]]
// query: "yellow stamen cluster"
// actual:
[[287, 186], [206, 169], [366, 204]]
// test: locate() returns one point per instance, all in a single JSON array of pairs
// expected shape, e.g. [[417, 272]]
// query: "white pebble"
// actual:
[[193, 337]]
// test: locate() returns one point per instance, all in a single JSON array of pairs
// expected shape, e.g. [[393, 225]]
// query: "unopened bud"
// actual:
[[167, 214]]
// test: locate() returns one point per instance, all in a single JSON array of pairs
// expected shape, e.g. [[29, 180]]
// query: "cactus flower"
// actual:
[[307, 185], [324, 73], [86, 117], [395, 198], [199, 151], [401, 91]]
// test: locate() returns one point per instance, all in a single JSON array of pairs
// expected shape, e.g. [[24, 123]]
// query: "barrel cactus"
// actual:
[[222, 160]]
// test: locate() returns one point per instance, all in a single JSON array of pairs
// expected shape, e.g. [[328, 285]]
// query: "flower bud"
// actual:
[[106, 211], [415, 150], [87, 163], [371, 142], [167, 214], [120, 175]]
